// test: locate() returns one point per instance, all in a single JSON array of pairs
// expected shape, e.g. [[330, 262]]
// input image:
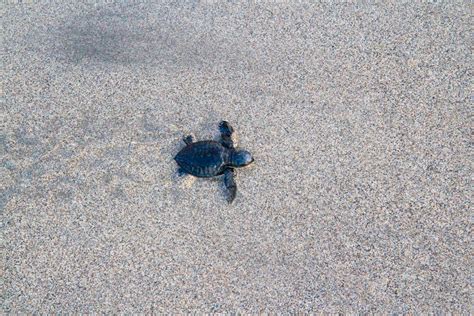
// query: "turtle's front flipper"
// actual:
[[188, 139], [230, 185], [226, 134]]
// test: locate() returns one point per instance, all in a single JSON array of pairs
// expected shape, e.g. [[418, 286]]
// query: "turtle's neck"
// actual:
[[228, 156]]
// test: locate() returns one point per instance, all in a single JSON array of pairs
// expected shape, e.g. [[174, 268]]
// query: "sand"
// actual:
[[358, 118]]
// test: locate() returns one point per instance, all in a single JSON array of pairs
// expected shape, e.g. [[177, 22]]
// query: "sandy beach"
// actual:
[[358, 117]]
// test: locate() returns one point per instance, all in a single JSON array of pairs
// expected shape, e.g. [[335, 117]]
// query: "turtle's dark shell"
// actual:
[[203, 159]]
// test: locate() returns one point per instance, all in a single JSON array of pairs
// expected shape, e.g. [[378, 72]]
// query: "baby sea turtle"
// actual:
[[209, 158]]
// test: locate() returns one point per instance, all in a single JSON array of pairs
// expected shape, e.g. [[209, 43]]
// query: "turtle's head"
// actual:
[[241, 158]]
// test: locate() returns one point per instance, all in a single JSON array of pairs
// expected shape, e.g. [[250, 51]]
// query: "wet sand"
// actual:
[[358, 118]]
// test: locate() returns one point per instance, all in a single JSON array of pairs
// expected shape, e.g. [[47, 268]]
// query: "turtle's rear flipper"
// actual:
[[230, 185], [188, 139], [226, 134], [181, 172]]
